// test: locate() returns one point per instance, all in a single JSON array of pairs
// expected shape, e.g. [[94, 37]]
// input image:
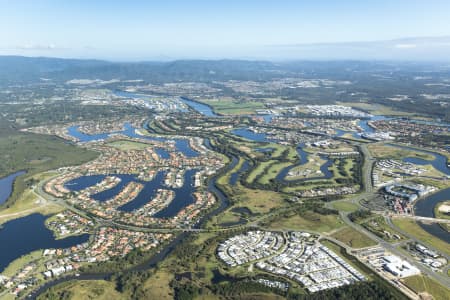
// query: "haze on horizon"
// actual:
[[200, 29]]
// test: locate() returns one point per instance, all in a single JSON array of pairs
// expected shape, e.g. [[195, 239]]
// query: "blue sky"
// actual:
[[169, 29]]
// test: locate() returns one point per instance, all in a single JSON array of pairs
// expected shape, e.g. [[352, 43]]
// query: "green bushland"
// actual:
[[36, 153], [379, 227]]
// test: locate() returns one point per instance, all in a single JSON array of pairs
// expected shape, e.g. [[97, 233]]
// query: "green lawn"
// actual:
[[344, 206]]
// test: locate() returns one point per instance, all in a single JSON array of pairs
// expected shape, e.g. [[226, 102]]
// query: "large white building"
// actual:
[[399, 267]]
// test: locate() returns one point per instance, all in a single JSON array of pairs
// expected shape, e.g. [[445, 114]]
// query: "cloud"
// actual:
[[405, 46], [37, 47], [413, 48]]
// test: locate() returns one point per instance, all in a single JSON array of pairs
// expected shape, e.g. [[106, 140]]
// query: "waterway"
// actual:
[[183, 195], [6, 185], [24, 235], [181, 145], [204, 109]]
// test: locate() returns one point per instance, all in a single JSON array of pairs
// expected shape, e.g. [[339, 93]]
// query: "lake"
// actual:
[[250, 135], [24, 235]]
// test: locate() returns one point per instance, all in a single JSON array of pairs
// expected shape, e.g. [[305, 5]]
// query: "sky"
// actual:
[[246, 29]]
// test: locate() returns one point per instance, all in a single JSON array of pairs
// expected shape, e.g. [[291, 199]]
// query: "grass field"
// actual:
[[230, 106], [125, 145], [310, 221], [421, 284], [353, 238], [344, 206], [386, 151], [415, 230]]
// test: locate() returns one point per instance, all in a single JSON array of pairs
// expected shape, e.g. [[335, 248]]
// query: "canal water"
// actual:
[[24, 235], [183, 195], [6, 185]]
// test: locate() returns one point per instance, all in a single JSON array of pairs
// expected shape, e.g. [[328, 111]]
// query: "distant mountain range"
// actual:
[[18, 69]]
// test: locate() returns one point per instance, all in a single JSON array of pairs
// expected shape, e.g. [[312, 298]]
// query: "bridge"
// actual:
[[423, 219]]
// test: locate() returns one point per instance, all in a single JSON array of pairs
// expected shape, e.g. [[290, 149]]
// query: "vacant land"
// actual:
[[309, 221], [84, 289], [421, 284], [158, 286], [353, 238], [379, 227]]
